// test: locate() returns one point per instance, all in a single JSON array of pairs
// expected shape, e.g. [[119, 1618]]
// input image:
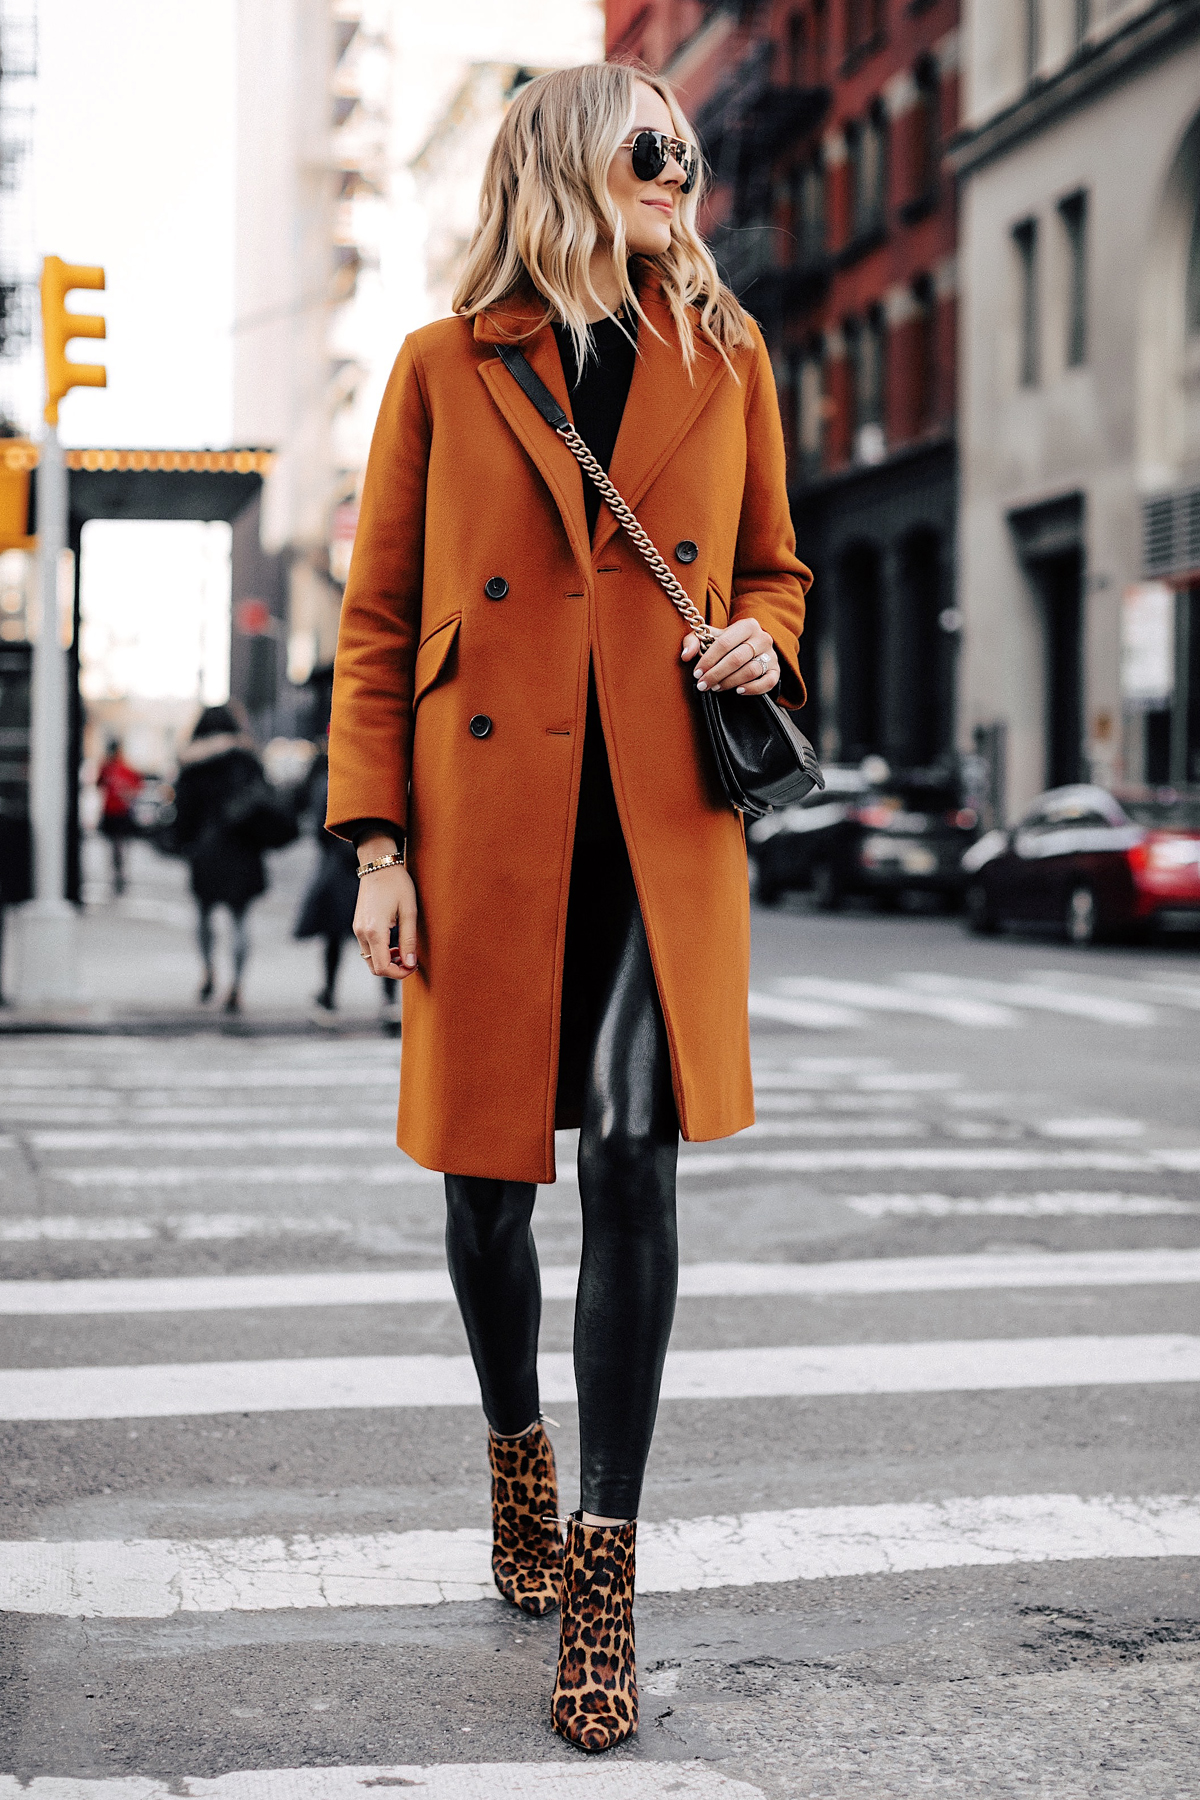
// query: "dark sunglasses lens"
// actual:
[[649, 155], [691, 169]]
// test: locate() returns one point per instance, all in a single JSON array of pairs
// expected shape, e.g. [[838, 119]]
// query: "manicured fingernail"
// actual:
[[741, 690], [702, 687], [410, 959]]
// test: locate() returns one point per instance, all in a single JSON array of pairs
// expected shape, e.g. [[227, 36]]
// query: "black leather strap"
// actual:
[[532, 385]]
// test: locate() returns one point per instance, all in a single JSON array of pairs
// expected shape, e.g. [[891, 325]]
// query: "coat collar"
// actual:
[[662, 407]]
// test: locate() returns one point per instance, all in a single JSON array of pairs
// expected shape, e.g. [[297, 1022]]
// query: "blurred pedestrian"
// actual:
[[514, 748], [219, 790], [119, 784], [327, 910]]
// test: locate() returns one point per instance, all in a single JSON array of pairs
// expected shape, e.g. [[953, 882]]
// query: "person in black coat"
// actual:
[[327, 910], [219, 768]]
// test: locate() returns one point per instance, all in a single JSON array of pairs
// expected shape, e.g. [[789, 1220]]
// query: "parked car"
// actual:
[[870, 832], [1092, 862]]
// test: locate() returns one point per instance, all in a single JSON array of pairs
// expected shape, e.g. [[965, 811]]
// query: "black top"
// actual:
[[598, 397]]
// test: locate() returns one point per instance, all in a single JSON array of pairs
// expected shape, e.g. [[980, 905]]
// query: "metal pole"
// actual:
[[46, 951]]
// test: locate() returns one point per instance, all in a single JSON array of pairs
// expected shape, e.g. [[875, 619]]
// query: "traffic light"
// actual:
[[59, 326], [17, 458]]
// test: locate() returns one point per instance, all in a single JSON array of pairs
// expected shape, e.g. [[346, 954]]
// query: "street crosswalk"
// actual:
[[824, 1003], [225, 1319]]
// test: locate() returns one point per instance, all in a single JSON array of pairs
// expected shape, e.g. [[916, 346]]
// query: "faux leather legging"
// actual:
[[613, 1033]]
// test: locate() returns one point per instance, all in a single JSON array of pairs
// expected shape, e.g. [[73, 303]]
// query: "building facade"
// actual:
[[1079, 173], [833, 217]]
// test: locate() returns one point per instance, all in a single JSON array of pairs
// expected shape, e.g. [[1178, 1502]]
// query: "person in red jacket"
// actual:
[[119, 784]]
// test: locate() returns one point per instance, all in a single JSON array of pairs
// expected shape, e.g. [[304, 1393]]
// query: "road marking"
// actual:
[[354, 1137], [408, 1287], [812, 1015], [267, 1072], [396, 1173], [187, 1227], [158, 1578], [552, 1780], [320, 1384], [692, 1162], [871, 996], [1092, 1128], [836, 1126], [1020, 1206], [102, 1114], [794, 1103], [1037, 996], [935, 1156], [382, 1137]]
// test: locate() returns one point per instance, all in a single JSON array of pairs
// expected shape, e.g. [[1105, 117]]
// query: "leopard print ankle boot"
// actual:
[[595, 1702], [527, 1552]]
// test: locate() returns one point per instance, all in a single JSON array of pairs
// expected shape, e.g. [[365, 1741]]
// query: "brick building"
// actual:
[[834, 220]]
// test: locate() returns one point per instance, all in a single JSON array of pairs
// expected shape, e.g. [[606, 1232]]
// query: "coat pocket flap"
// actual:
[[432, 655]]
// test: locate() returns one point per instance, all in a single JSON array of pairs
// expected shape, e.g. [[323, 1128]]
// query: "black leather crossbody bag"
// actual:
[[763, 760]]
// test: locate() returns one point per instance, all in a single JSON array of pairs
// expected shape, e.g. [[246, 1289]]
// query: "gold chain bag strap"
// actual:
[[762, 758]]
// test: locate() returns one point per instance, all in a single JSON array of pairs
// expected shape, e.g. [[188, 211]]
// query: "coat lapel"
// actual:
[[557, 466], [663, 405]]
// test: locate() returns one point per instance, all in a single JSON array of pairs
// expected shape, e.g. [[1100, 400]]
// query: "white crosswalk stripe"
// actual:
[[553, 1780], [1021, 1206], [308, 1384], [407, 1287], [692, 1164], [155, 1578]]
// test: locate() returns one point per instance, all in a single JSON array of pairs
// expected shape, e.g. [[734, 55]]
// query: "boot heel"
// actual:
[[595, 1703]]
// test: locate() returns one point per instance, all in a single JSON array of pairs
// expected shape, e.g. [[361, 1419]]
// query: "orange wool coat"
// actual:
[[467, 482]]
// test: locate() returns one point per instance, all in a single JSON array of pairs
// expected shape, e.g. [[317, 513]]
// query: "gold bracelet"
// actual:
[[381, 862]]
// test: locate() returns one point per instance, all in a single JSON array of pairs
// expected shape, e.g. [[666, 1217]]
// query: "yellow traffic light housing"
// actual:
[[18, 457], [59, 326]]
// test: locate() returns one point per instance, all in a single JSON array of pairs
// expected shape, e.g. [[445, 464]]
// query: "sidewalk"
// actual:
[[140, 969]]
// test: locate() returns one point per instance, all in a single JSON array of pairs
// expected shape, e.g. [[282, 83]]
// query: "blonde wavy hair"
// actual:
[[545, 207]]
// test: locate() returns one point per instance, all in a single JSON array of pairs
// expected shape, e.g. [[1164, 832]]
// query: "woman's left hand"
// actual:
[[740, 660]]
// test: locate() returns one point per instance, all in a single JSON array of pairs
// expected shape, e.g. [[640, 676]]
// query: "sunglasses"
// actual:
[[653, 150]]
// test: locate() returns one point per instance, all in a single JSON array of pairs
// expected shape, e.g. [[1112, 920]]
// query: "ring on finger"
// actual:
[[366, 955]]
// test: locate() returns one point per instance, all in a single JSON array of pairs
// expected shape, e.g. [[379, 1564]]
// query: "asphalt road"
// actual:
[[923, 1511]]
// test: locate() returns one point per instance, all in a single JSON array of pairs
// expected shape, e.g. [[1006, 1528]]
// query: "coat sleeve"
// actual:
[[370, 731], [769, 580]]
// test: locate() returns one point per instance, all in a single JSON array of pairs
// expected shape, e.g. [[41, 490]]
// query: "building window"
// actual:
[[866, 147], [810, 411], [810, 212], [866, 345], [926, 129], [1073, 213], [820, 38], [1193, 279], [1083, 22], [864, 24], [797, 50], [1025, 242], [924, 372], [1033, 37]]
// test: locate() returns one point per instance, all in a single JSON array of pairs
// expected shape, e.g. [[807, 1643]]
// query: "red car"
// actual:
[[1096, 864]]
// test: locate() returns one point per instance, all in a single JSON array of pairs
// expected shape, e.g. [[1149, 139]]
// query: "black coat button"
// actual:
[[480, 725], [496, 587], [686, 551]]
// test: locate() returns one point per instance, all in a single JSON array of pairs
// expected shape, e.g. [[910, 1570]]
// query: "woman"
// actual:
[[327, 909], [511, 717], [220, 777], [119, 784]]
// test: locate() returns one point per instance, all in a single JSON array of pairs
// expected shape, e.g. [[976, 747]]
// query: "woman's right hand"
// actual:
[[386, 898]]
